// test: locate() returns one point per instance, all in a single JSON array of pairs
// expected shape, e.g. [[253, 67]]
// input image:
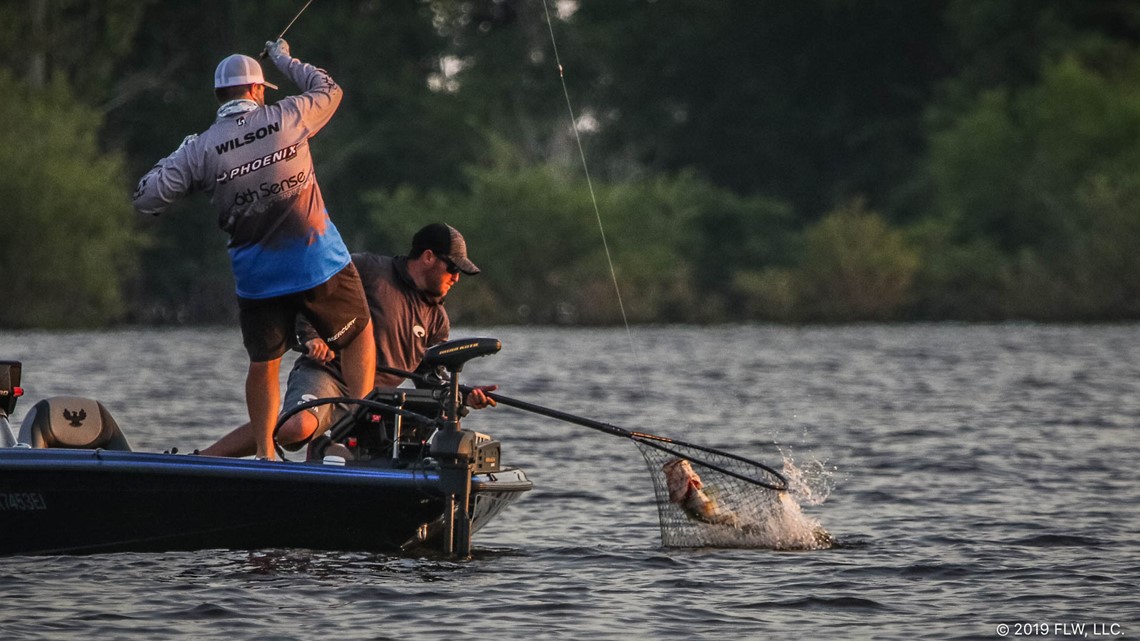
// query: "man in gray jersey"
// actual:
[[405, 298], [288, 258]]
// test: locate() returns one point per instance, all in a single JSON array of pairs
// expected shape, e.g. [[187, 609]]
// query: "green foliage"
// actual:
[[1007, 44], [996, 146], [812, 103], [504, 73], [77, 42], [1030, 187], [1106, 263], [536, 235], [960, 280], [854, 267], [1010, 169], [69, 245]]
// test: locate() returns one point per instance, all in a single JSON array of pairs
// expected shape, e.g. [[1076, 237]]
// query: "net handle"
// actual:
[[651, 440]]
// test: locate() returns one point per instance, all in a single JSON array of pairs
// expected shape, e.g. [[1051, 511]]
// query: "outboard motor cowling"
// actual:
[[72, 422]]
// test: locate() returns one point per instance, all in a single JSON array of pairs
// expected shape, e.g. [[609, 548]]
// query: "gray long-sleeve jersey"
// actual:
[[255, 162]]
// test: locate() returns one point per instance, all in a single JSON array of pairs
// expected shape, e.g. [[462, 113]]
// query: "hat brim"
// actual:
[[252, 82], [465, 265]]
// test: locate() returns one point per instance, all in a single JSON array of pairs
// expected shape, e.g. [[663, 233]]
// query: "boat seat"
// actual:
[[72, 422]]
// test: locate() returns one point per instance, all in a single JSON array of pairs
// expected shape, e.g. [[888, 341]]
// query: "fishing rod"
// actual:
[[662, 443], [282, 34], [265, 52]]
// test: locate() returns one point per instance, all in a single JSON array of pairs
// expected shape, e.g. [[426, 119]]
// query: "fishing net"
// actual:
[[708, 498]]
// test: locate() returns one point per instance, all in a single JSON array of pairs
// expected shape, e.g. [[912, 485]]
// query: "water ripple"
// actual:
[[983, 474]]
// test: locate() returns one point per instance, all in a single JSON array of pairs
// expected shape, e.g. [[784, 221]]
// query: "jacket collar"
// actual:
[[235, 107]]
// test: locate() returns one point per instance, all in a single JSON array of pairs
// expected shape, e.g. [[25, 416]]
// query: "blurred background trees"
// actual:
[[827, 160]]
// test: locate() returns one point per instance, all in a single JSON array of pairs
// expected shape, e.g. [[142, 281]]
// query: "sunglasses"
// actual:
[[452, 268]]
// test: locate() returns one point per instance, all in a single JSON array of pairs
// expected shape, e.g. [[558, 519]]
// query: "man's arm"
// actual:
[[321, 94], [170, 179], [315, 347]]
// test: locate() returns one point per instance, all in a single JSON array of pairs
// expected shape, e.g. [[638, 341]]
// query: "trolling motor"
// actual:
[[458, 450], [10, 391]]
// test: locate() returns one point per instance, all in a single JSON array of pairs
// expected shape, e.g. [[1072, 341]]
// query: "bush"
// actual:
[[854, 268]]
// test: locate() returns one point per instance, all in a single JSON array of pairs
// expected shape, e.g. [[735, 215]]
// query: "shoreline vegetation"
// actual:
[[817, 162]]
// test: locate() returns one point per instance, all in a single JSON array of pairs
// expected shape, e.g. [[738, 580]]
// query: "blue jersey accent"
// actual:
[[288, 268]]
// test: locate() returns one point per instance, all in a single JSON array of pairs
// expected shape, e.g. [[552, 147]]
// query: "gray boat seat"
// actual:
[[71, 422]]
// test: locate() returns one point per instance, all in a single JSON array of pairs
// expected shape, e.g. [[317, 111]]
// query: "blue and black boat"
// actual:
[[398, 473]]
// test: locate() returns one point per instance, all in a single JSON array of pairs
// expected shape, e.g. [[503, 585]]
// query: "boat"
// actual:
[[398, 473]]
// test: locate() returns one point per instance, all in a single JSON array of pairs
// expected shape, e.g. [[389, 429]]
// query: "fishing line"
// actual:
[[593, 198], [736, 495]]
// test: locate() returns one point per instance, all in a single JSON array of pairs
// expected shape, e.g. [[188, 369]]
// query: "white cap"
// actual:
[[239, 70]]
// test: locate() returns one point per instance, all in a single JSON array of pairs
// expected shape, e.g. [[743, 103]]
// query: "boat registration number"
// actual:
[[22, 502]]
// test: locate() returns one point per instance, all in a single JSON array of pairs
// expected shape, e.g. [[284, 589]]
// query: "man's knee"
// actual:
[[297, 428], [262, 368]]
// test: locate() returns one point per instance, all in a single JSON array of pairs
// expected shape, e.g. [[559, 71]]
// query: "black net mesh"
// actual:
[[707, 499]]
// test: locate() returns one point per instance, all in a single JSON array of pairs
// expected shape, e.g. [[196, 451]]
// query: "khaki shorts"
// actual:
[[336, 308], [307, 383]]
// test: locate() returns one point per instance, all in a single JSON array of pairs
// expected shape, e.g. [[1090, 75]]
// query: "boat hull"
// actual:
[[55, 501]]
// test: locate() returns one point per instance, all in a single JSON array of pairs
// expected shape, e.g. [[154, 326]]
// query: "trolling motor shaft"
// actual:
[[453, 447], [454, 450]]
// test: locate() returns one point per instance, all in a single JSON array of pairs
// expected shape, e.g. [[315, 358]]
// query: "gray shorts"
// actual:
[[309, 383]]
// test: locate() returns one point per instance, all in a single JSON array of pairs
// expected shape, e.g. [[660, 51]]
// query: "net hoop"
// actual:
[[660, 443]]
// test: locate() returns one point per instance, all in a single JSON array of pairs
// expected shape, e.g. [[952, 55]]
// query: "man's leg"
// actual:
[[336, 308], [263, 400], [237, 443], [305, 384], [358, 363], [240, 441]]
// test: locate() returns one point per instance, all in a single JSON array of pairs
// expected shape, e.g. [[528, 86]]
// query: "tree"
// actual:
[[1040, 174], [811, 103], [69, 239], [78, 42]]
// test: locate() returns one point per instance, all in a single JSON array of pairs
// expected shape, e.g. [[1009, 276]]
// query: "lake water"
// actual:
[[973, 477]]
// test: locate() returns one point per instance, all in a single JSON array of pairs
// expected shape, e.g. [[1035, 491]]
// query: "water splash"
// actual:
[[746, 515], [810, 483], [780, 523]]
